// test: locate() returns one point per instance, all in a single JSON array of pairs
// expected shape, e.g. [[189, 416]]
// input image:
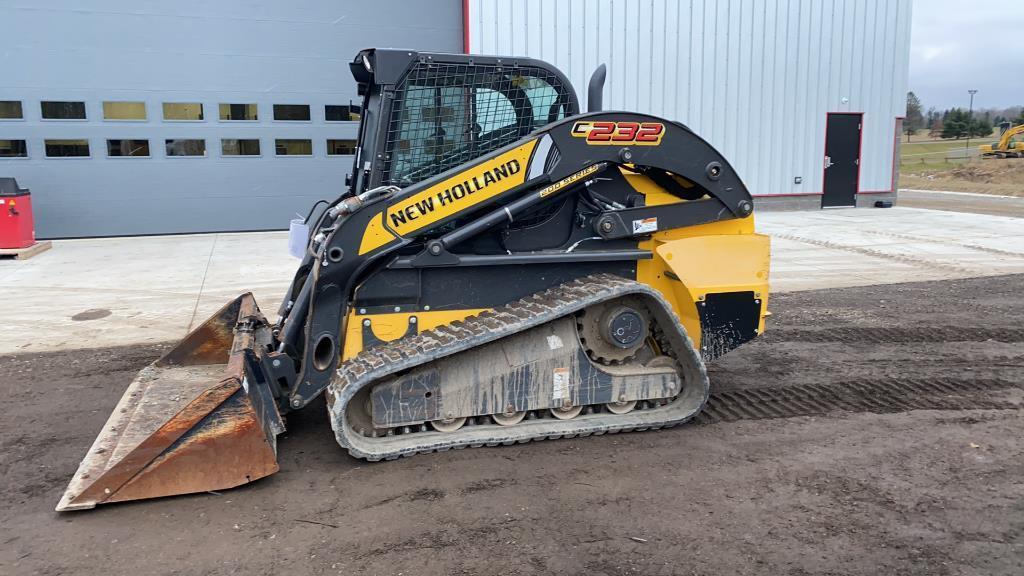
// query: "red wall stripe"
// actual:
[[465, 26]]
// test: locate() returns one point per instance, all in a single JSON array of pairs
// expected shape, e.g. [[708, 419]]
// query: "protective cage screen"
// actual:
[[447, 114]]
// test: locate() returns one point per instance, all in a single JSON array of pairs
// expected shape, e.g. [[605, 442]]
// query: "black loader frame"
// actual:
[[319, 294]]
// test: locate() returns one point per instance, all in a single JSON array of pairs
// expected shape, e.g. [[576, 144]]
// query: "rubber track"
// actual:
[[380, 361], [897, 335], [883, 396]]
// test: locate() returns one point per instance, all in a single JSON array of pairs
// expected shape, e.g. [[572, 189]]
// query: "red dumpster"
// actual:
[[16, 227]]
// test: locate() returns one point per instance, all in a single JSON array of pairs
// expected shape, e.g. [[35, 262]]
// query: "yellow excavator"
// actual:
[[502, 268], [1007, 146]]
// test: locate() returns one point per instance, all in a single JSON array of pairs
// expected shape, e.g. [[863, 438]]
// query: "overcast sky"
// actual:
[[960, 44]]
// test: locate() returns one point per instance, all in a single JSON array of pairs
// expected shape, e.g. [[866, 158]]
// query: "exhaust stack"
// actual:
[[595, 89]]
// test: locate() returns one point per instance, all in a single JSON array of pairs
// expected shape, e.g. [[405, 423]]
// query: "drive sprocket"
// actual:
[[613, 332]]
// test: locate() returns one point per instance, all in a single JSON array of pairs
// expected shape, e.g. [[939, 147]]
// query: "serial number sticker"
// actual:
[[560, 385], [645, 226]]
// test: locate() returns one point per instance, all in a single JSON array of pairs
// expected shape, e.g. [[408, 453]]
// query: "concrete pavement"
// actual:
[[142, 289], [119, 291], [860, 247]]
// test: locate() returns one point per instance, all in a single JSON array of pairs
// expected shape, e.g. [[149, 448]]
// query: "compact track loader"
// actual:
[[502, 268]]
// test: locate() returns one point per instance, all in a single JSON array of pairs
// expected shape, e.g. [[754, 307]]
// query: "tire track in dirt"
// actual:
[[895, 335], [878, 396], [899, 393]]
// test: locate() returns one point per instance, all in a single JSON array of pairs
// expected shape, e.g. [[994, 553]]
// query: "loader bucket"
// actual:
[[197, 419]]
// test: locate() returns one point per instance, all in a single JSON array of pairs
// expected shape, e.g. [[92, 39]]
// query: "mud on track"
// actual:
[[871, 431]]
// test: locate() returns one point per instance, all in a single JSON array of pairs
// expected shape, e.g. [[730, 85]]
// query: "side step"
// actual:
[[192, 421]]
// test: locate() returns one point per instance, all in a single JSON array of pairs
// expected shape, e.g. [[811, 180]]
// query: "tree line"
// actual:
[[956, 123]]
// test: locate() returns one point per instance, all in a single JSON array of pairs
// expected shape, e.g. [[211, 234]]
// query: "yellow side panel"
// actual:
[[388, 327], [719, 263], [725, 256], [708, 264], [375, 235], [653, 272]]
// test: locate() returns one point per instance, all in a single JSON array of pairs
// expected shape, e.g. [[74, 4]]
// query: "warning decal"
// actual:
[[560, 385], [645, 226]]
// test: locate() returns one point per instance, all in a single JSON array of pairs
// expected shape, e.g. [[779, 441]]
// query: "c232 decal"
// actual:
[[601, 133]]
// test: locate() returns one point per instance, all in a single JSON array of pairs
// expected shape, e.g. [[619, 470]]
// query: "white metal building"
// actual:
[[764, 81], [147, 118]]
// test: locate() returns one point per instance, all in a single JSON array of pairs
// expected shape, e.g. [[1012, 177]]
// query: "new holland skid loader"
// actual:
[[501, 268]]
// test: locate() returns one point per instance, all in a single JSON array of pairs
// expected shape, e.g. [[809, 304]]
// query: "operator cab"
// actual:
[[426, 113]]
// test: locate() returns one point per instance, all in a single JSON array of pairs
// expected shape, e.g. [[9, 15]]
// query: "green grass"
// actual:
[[936, 148], [937, 155]]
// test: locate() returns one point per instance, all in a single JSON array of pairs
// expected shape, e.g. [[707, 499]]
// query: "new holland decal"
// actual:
[[449, 197], [406, 215], [619, 133]]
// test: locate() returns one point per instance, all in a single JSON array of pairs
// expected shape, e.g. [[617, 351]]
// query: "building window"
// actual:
[[13, 149], [293, 147], [188, 111], [124, 110], [63, 110], [341, 147], [67, 148], [126, 148], [239, 147], [346, 113], [238, 112], [11, 110], [291, 112], [185, 147]]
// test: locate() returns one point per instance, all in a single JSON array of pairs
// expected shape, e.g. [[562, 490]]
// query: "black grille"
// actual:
[[447, 114]]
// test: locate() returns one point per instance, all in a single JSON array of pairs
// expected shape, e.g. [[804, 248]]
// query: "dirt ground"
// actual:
[[984, 175], [970, 203], [813, 459]]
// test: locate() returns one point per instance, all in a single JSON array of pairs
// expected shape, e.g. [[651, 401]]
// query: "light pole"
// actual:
[[970, 125]]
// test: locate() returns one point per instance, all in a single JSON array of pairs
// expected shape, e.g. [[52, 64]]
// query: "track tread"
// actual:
[[897, 335], [881, 396], [379, 361]]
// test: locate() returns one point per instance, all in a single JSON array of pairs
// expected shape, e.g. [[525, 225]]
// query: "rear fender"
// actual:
[[719, 283]]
